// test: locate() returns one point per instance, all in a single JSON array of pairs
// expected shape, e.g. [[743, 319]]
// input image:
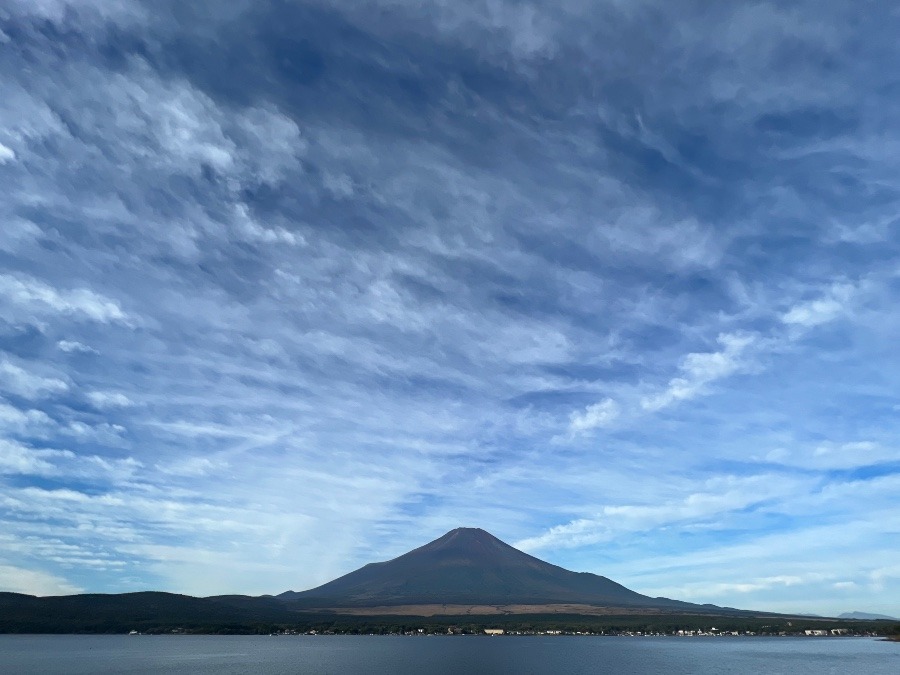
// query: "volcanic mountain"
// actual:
[[468, 566]]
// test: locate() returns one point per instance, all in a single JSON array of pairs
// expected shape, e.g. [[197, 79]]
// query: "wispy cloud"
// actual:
[[109, 399], [719, 497], [17, 380], [821, 310], [699, 369], [600, 414], [6, 154], [39, 297], [73, 346]]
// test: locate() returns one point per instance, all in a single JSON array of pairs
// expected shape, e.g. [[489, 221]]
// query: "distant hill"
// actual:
[[469, 566], [867, 616], [102, 613]]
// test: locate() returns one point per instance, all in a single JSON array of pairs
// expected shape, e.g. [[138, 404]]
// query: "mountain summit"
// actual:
[[469, 566]]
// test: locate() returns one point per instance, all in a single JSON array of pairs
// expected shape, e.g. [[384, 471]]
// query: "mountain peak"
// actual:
[[463, 535], [467, 533], [472, 533]]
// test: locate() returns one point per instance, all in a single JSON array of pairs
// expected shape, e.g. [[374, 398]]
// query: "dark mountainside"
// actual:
[[116, 613], [469, 566]]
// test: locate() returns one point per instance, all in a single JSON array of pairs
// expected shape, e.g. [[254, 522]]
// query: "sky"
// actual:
[[291, 287]]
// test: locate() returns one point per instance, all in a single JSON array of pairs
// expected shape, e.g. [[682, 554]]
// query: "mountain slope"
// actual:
[[868, 616], [470, 566]]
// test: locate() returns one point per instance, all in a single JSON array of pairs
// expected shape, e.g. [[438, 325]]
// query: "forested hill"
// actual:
[[101, 613]]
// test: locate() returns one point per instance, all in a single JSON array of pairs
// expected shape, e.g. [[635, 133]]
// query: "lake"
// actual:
[[177, 655]]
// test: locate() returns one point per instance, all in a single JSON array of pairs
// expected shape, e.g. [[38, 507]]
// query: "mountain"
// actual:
[[469, 566], [466, 572], [867, 616]]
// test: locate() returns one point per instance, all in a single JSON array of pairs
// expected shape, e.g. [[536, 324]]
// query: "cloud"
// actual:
[[699, 369], [36, 296], [66, 10], [719, 497], [27, 384], [821, 310], [194, 466], [75, 347], [18, 233], [33, 582], [882, 575], [109, 399], [17, 458], [600, 415], [109, 434], [6, 154], [830, 455], [14, 420], [248, 227], [753, 585]]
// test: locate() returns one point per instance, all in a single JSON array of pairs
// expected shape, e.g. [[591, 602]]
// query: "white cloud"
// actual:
[[193, 466], [340, 185], [830, 455], [16, 458], [598, 415], [73, 347], [15, 420], [37, 296], [882, 575], [822, 310], [105, 433], [34, 582], [62, 10], [109, 399], [7, 155], [29, 385], [16, 232], [249, 228], [174, 127], [702, 368], [720, 496], [712, 590], [804, 564], [647, 231]]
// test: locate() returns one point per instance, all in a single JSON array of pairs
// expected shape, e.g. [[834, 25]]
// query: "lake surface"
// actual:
[[177, 655]]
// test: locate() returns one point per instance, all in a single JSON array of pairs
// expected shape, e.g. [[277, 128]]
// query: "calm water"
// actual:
[[75, 654]]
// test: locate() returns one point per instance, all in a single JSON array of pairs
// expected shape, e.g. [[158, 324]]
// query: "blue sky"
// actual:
[[289, 287]]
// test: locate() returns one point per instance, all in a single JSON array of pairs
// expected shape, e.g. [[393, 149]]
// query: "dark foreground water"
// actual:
[[74, 654]]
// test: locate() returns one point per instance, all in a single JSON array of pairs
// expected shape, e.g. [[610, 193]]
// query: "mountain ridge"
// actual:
[[867, 616]]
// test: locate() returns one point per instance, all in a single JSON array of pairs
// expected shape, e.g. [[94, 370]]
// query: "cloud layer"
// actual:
[[291, 287]]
